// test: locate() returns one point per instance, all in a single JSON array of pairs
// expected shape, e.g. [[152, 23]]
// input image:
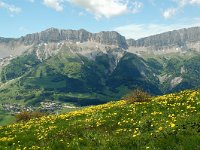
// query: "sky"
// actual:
[[131, 18]]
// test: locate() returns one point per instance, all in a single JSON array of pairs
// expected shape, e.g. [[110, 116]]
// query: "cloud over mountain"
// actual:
[[55, 4], [9, 7], [181, 4], [108, 8]]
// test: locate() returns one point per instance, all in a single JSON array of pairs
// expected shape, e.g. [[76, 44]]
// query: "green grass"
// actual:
[[46, 83], [167, 122], [6, 119]]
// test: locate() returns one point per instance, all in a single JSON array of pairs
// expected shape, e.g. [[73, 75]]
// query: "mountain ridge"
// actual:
[[83, 35], [57, 35], [177, 41], [183, 35], [91, 68]]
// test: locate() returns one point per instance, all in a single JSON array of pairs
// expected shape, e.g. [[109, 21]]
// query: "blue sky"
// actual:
[[131, 18]]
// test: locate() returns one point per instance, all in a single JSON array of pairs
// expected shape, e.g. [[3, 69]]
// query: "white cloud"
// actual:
[[170, 12], [152, 2], [187, 2], [11, 8], [137, 31], [81, 14], [23, 29], [108, 8], [32, 1], [55, 4], [194, 1]]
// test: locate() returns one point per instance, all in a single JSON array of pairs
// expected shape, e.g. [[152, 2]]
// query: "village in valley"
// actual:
[[46, 106]]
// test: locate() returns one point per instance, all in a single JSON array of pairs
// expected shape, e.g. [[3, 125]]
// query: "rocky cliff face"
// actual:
[[176, 37], [110, 38], [52, 40], [131, 42], [55, 35], [178, 41]]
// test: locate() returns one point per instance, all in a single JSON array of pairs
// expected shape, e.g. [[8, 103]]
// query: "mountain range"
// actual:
[[86, 68]]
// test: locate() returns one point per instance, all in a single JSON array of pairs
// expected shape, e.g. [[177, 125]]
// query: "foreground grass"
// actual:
[[167, 122], [6, 119]]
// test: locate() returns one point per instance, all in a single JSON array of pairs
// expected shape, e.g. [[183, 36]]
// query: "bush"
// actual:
[[25, 116], [138, 95]]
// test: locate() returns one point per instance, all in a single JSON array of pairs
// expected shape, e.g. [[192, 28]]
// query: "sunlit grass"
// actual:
[[167, 122]]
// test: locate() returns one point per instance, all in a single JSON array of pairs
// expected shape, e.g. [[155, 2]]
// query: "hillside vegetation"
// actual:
[[72, 78], [167, 122], [83, 68]]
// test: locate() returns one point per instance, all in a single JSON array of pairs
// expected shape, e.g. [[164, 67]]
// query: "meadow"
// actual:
[[170, 121]]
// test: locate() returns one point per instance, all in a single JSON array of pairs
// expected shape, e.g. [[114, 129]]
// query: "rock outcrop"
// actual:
[[55, 35], [177, 41], [110, 38], [176, 37]]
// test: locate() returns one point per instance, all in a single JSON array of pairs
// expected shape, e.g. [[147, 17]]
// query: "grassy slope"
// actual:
[[72, 78], [65, 77], [6, 118], [168, 122]]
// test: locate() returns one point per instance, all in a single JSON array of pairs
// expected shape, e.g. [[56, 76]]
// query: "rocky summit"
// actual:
[[169, 42], [55, 35], [177, 37]]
